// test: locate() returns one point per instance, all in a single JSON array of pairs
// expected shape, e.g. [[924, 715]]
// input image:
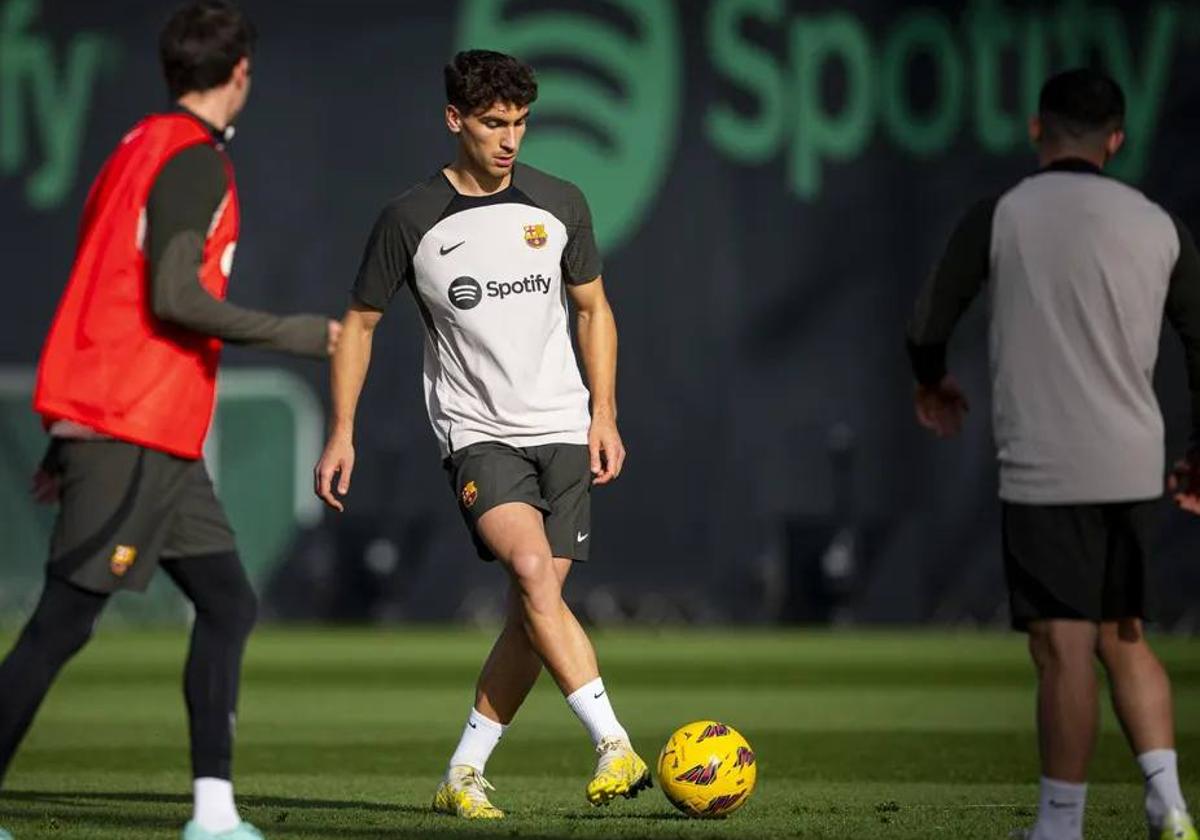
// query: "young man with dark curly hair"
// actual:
[[491, 251]]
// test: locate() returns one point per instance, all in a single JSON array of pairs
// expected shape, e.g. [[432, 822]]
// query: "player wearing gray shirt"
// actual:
[[489, 274], [493, 252], [1079, 270]]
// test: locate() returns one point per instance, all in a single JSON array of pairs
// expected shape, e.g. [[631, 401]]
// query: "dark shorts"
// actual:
[[123, 507], [555, 478], [1083, 562]]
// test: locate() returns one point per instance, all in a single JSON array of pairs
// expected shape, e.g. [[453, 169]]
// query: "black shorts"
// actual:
[[555, 478], [123, 507], [1083, 562]]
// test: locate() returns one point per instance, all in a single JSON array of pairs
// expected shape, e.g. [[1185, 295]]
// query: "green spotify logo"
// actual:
[[46, 92], [791, 117], [608, 100], [615, 112]]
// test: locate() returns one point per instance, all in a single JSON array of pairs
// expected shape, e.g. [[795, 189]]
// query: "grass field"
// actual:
[[343, 734]]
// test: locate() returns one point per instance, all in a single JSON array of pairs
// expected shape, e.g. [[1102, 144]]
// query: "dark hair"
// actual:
[[202, 43], [1083, 104], [477, 78]]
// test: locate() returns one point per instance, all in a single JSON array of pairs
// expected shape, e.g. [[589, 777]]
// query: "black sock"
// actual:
[[60, 625], [225, 612]]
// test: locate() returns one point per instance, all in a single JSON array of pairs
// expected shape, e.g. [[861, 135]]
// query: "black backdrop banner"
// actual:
[[770, 181]]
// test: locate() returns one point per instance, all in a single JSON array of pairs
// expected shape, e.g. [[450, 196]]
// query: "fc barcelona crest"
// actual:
[[122, 558], [535, 235], [469, 494]]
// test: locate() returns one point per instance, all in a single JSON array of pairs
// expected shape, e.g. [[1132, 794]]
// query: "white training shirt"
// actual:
[[488, 275]]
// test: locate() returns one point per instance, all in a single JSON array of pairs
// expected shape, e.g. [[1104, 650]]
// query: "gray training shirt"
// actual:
[[1080, 270], [489, 276]]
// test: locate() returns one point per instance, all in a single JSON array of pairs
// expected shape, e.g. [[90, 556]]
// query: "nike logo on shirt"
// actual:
[[581, 537], [444, 250]]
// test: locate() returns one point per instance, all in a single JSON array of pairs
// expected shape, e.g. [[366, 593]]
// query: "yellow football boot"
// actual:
[[619, 772], [1177, 826], [464, 794]]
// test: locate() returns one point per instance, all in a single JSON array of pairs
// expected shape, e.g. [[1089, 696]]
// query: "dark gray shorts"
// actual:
[[123, 507], [555, 478], [1086, 562]]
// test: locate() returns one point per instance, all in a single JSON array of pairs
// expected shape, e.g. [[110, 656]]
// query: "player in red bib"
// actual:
[[125, 388]]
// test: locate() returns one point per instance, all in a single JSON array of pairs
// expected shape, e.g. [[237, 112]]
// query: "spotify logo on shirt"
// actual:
[[465, 293]]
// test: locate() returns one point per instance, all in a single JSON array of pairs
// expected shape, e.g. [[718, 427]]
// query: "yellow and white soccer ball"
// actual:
[[707, 769]]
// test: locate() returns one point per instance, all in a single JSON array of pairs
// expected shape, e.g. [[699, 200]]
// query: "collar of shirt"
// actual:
[[221, 138], [1071, 164]]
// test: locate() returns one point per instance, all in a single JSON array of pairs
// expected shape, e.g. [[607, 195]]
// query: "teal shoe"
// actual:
[[244, 831], [4, 835]]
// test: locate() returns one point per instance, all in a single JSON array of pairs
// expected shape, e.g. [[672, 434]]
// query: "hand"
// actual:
[[607, 450], [47, 486], [941, 407], [336, 460], [333, 335], [1184, 482]]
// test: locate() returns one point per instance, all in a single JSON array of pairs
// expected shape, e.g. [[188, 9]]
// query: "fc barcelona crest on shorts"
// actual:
[[535, 235], [122, 558], [469, 494]]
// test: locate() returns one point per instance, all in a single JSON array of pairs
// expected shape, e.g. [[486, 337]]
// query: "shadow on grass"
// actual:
[[65, 822], [64, 812], [25, 811], [78, 797]]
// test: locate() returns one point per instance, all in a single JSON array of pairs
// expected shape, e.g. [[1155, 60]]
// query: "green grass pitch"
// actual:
[[344, 733]]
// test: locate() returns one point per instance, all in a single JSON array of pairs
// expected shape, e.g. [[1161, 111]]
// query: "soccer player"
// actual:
[[126, 386], [491, 251], [1080, 270]]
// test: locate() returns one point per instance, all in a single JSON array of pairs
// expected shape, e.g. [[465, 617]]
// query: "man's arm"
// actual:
[[179, 212], [949, 290], [1183, 313], [348, 371], [596, 328], [385, 267], [597, 331]]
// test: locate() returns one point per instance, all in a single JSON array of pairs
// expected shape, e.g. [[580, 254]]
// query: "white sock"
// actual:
[[479, 738], [591, 705], [215, 811], [1060, 811], [1162, 785]]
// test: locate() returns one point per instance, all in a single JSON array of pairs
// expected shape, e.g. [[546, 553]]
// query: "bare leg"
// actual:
[[1067, 711], [1063, 651], [1141, 690], [515, 534], [513, 666], [1141, 696]]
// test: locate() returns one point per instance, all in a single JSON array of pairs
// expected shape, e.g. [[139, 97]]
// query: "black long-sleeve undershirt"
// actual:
[[954, 283], [182, 203], [1183, 314]]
